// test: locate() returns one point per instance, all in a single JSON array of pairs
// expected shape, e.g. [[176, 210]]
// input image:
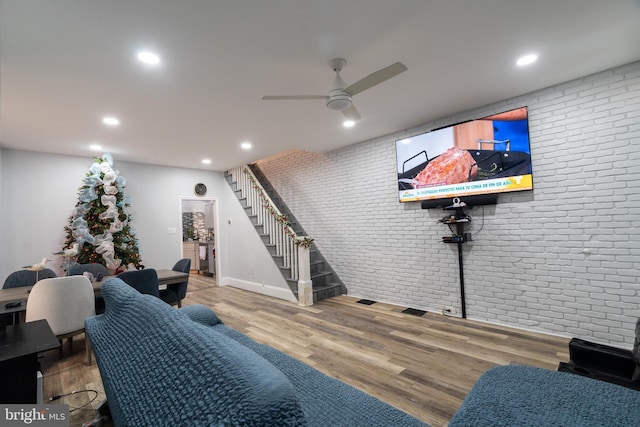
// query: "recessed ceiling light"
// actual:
[[526, 60], [246, 146], [348, 123], [206, 161], [148, 58], [110, 121], [95, 147]]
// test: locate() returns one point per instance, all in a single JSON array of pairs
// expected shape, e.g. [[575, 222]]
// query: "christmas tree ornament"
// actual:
[[100, 224]]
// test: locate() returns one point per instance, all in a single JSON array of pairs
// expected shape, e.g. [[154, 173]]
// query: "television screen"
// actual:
[[484, 156]]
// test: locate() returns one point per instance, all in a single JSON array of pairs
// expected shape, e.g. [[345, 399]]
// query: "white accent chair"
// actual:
[[65, 302]]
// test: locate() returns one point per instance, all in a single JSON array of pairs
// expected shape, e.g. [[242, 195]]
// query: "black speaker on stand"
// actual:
[[460, 219]]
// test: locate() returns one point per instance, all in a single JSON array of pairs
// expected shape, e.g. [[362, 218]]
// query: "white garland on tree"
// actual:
[[101, 173]]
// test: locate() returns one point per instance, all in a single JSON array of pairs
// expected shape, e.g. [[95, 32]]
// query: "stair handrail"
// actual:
[[293, 248], [267, 202]]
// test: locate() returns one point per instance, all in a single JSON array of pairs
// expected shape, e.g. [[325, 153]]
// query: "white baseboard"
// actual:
[[259, 288]]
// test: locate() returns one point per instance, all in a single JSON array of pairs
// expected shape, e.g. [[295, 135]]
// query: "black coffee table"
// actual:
[[19, 348], [12, 315]]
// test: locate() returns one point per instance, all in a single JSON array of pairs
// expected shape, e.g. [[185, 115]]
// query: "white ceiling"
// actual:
[[66, 63]]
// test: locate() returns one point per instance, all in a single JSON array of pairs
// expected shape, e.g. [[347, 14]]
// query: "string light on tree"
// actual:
[[100, 222]]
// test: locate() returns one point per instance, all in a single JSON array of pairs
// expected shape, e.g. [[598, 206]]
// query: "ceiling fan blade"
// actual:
[[376, 78], [294, 97], [351, 113]]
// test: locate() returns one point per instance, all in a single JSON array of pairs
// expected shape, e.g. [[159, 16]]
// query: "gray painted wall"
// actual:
[[526, 267], [38, 192]]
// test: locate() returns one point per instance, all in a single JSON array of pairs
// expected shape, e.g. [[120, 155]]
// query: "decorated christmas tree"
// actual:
[[100, 223]]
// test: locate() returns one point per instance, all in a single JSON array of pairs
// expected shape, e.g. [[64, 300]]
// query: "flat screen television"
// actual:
[[490, 155]]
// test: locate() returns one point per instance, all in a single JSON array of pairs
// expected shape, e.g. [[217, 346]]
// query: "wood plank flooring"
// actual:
[[423, 365]]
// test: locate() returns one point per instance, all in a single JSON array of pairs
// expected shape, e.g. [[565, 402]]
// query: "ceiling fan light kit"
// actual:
[[340, 95], [338, 100]]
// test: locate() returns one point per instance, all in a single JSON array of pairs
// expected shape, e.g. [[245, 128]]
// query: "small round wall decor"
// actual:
[[200, 189]]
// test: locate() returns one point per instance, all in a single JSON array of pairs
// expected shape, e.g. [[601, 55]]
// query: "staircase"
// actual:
[[281, 235]]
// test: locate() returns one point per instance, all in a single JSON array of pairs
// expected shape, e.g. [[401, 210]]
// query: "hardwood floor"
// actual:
[[423, 365]]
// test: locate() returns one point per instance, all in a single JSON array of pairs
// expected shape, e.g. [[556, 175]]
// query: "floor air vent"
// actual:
[[414, 312], [366, 301]]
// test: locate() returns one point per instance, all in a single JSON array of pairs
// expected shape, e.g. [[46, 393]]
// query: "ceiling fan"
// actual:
[[339, 97]]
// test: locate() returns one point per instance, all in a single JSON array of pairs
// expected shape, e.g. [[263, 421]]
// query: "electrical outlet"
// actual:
[[449, 310], [444, 310]]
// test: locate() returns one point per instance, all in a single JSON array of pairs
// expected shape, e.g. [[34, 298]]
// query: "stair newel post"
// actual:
[[305, 287]]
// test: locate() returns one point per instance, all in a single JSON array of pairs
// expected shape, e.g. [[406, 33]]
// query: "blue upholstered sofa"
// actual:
[[166, 367], [526, 396]]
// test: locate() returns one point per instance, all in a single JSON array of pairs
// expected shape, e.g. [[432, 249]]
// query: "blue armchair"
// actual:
[[144, 281], [175, 293], [94, 268], [27, 278]]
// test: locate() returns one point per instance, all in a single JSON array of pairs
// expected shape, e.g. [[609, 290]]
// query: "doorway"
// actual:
[[199, 218]]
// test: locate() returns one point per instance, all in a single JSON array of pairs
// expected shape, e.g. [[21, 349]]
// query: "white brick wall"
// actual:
[[526, 267]]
